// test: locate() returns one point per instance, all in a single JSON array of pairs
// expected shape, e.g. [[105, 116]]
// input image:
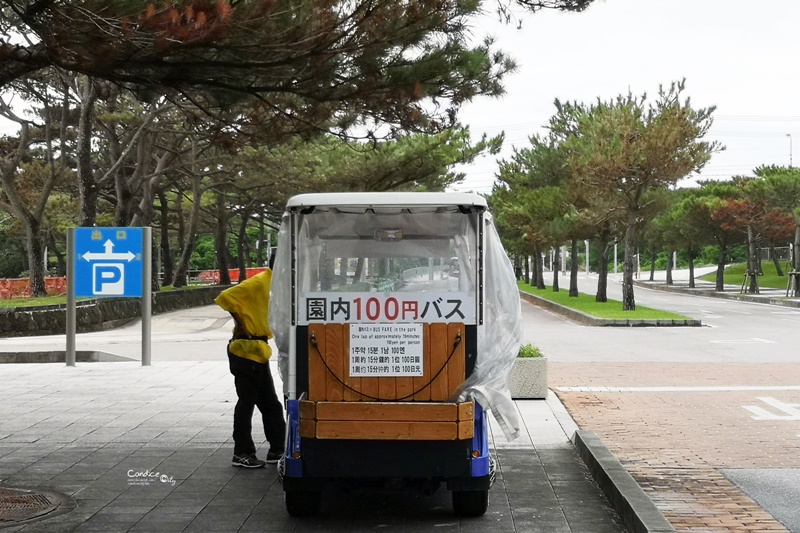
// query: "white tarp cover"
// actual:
[[499, 337]]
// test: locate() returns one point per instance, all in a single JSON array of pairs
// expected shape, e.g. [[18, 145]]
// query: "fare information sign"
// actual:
[[386, 350]]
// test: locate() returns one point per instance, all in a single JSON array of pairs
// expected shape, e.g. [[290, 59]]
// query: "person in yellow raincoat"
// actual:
[[248, 354]]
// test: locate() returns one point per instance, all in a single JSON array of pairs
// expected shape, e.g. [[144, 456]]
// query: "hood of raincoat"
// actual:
[[248, 303]]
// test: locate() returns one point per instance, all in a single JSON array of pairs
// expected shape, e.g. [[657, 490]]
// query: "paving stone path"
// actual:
[[675, 426]]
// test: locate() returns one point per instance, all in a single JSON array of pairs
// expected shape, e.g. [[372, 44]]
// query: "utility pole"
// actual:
[[790, 149]]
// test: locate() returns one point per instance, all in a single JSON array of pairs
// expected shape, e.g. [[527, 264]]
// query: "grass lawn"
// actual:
[[586, 304], [31, 302], [734, 275]]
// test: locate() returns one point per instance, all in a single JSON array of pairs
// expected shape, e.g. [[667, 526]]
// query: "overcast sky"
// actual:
[[741, 56]]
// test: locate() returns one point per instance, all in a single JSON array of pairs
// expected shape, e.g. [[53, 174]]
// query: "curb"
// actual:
[[589, 320], [81, 356], [637, 510]]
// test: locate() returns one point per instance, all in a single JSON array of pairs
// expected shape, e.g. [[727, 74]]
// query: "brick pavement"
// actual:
[[674, 442]]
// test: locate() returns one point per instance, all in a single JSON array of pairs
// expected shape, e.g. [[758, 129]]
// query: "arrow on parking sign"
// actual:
[[109, 254]]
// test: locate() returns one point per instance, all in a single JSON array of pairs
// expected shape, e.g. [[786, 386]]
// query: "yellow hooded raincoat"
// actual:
[[248, 302]]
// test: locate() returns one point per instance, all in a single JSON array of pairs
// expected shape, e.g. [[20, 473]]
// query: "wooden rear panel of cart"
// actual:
[[398, 408]]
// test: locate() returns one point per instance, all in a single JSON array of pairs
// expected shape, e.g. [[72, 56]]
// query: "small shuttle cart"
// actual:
[[396, 316]]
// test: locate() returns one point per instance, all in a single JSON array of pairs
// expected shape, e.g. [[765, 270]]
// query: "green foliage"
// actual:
[[328, 164], [299, 66], [11, 256], [530, 196], [628, 146], [529, 350], [203, 257], [709, 254]]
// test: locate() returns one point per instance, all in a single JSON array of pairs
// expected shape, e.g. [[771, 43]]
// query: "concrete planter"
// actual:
[[528, 378]]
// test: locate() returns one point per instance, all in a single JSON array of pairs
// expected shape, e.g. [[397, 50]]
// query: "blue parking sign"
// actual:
[[108, 262]]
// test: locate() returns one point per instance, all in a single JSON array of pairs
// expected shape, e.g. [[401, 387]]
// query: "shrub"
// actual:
[[529, 350]]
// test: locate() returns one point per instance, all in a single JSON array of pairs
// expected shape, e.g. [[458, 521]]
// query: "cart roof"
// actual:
[[386, 199]]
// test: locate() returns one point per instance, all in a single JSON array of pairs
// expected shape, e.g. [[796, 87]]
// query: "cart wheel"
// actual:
[[470, 502], [303, 502]]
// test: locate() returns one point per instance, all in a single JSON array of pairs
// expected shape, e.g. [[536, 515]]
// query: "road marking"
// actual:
[[735, 388], [752, 340], [790, 411]]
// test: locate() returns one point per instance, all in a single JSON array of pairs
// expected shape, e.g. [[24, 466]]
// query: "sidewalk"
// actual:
[[148, 449]]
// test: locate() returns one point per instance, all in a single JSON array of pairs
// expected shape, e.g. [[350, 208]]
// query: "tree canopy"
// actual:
[[299, 64]]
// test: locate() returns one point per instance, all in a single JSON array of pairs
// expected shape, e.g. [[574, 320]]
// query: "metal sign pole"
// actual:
[[147, 296], [71, 322]]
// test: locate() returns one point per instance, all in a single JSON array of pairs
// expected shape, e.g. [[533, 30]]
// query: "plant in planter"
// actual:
[[528, 379]]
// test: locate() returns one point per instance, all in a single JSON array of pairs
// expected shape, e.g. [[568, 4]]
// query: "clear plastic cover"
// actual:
[[499, 338], [404, 252]]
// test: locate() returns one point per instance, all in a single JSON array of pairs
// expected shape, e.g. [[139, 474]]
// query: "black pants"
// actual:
[[255, 388]]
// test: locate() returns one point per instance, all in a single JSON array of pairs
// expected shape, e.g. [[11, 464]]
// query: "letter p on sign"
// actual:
[[108, 279]]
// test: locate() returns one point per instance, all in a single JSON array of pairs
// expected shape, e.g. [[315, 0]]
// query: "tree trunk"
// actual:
[[155, 283], [182, 270], [720, 279], [539, 269], [35, 257], [628, 298], [241, 248], [670, 255], [326, 270], [124, 210], [343, 261], [775, 261], [556, 267], [652, 266], [796, 247], [260, 247], [573, 270], [752, 268], [690, 253], [181, 219], [517, 267], [527, 269], [61, 261], [602, 274], [247, 254], [221, 241], [166, 253], [359, 270], [87, 187]]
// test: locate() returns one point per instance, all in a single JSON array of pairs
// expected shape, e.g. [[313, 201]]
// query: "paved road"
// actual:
[[733, 332], [706, 419]]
